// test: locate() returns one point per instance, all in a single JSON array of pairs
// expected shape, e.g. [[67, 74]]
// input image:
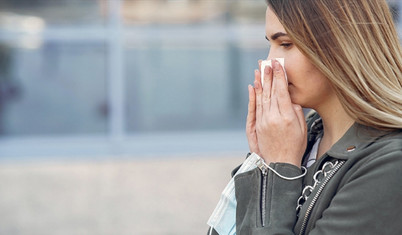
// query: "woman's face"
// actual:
[[308, 87]]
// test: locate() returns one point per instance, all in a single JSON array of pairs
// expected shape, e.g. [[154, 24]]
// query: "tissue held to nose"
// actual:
[[265, 63]]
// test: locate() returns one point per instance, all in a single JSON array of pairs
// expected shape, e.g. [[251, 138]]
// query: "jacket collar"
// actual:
[[355, 139]]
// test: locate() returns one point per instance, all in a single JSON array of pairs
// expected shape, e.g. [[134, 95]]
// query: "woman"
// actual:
[[343, 59]]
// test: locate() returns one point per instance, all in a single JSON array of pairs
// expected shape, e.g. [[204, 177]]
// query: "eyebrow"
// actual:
[[276, 36]]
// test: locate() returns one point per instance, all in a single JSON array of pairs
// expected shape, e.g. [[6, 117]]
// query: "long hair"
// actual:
[[356, 46]]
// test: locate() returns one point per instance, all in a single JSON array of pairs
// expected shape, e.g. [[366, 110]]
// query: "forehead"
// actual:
[[272, 24]]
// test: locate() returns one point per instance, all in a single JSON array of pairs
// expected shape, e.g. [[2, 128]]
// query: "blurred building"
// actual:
[[126, 76], [100, 77]]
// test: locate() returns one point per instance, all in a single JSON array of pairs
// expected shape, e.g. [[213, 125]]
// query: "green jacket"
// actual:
[[362, 194]]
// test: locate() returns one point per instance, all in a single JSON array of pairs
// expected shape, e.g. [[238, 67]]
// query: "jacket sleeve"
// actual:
[[269, 209], [368, 202]]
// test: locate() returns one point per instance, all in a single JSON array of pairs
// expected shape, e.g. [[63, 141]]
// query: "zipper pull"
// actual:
[[263, 166]]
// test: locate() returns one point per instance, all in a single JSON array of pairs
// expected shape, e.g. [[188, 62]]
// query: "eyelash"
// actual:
[[286, 45]]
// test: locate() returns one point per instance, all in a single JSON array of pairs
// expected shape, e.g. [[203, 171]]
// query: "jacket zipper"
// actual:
[[315, 198], [264, 171]]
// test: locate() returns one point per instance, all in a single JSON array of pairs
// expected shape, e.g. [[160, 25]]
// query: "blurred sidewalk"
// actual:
[[158, 196]]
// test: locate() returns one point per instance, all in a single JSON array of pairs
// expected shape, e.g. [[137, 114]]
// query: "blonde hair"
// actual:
[[355, 45]]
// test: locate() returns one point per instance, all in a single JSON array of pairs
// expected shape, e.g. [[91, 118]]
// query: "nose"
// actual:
[[271, 54]]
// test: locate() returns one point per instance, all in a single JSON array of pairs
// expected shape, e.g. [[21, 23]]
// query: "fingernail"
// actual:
[[256, 72], [277, 66], [267, 70]]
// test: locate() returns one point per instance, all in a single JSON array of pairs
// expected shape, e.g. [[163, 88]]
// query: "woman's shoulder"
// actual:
[[391, 139], [364, 143], [379, 159], [385, 146]]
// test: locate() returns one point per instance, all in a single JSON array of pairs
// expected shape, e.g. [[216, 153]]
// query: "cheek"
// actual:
[[295, 72], [306, 84], [311, 92], [300, 71]]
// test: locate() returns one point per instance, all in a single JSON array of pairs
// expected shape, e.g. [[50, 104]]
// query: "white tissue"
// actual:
[[265, 63]]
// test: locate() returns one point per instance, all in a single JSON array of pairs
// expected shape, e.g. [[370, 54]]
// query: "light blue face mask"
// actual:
[[223, 219]]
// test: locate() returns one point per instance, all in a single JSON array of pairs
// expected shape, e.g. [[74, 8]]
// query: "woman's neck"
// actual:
[[335, 122]]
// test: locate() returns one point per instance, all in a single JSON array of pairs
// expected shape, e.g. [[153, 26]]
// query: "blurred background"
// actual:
[[123, 116]]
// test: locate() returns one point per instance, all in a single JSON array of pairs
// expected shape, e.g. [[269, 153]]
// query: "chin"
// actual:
[[298, 100], [294, 98]]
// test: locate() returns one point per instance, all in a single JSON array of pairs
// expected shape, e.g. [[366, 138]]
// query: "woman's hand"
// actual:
[[251, 116], [276, 128], [250, 123]]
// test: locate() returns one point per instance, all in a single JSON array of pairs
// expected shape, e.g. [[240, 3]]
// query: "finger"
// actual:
[[280, 89], [259, 64], [251, 106], [274, 107], [266, 91], [300, 116], [258, 94]]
